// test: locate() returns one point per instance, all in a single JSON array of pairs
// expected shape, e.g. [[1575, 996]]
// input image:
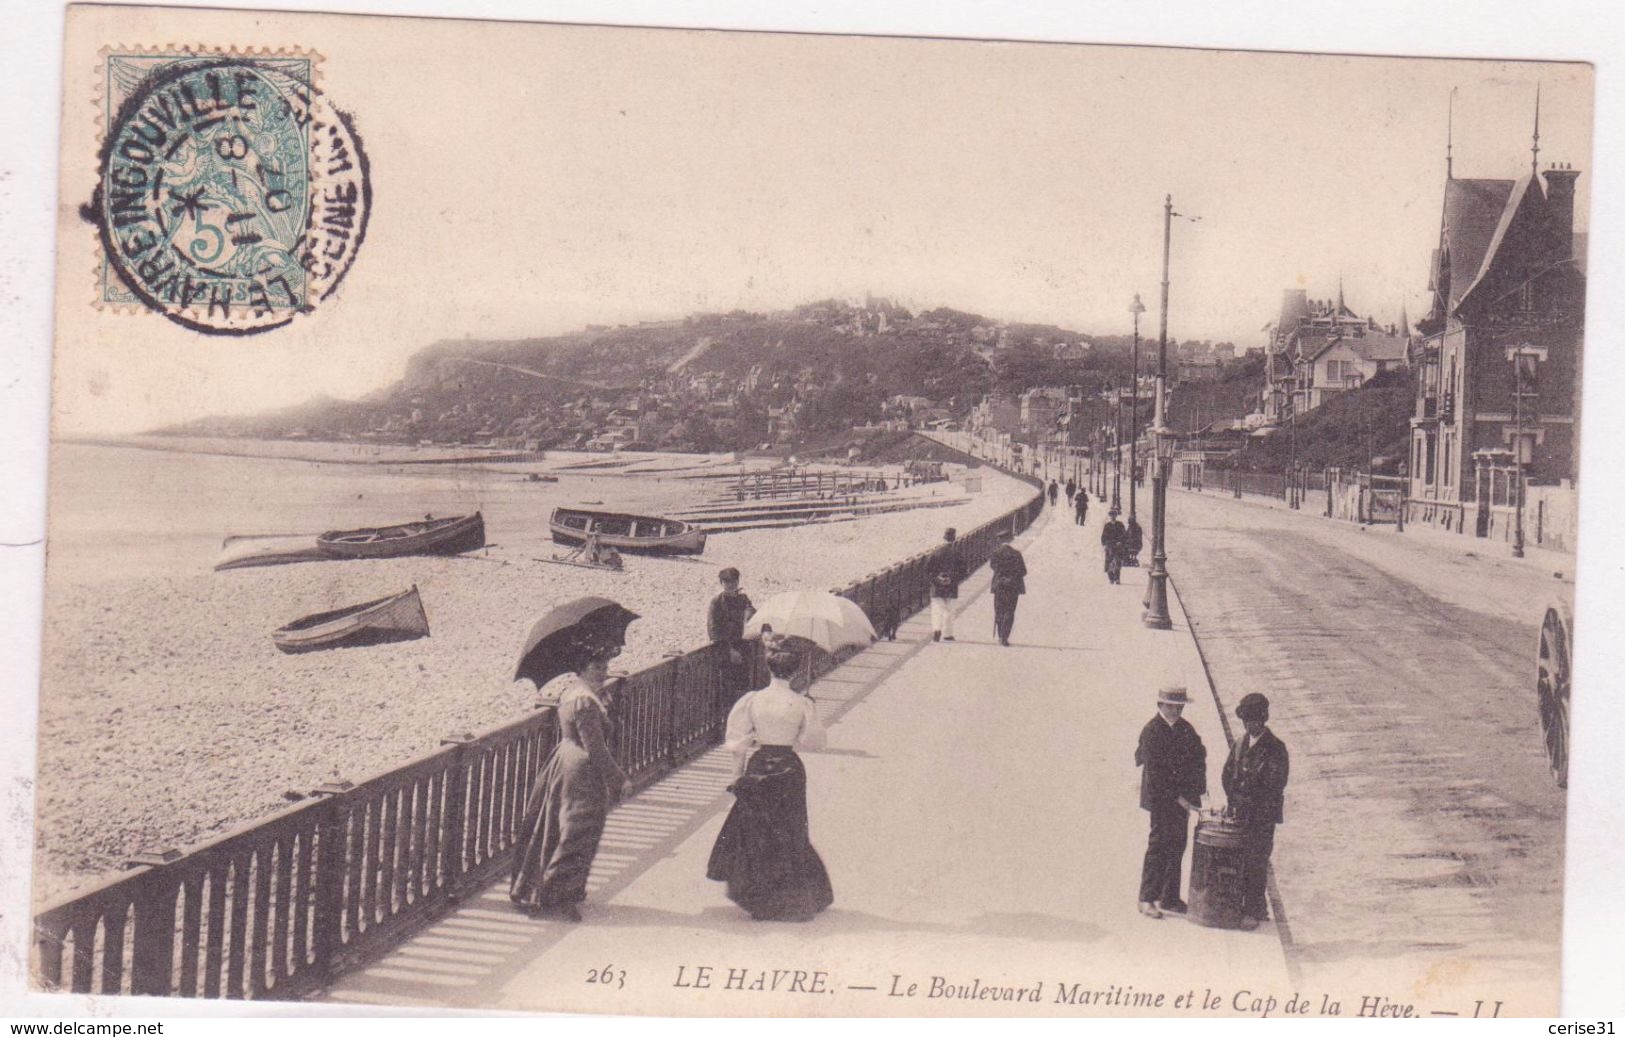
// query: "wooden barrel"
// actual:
[[1216, 859]]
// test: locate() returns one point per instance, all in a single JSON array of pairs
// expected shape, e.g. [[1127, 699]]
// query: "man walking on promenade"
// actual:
[[945, 571], [1254, 785], [1173, 779], [1009, 583], [1054, 492], [726, 627], [1080, 505], [1071, 490]]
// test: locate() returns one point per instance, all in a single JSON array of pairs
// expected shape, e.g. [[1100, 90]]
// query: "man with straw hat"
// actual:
[[1173, 780]]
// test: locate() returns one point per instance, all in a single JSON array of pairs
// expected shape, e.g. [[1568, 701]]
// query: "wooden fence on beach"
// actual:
[[279, 907], [808, 484]]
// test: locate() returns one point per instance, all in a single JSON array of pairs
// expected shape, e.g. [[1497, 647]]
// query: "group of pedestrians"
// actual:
[[1170, 753], [1077, 498], [1120, 545], [946, 572], [764, 854], [1173, 782]]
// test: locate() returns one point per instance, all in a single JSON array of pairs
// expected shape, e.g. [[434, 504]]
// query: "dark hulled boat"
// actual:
[[431, 536], [637, 533]]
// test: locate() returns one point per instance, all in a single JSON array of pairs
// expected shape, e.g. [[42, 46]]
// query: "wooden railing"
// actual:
[[279, 907]]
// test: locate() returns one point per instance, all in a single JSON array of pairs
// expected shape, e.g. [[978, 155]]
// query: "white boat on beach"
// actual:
[[241, 552], [399, 617]]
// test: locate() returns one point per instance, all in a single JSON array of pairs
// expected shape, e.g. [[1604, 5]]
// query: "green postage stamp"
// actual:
[[230, 196]]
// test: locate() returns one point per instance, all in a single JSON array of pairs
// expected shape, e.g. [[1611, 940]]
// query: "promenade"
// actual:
[[978, 811]]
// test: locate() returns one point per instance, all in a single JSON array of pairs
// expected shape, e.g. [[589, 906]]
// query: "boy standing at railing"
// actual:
[[946, 571], [725, 625]]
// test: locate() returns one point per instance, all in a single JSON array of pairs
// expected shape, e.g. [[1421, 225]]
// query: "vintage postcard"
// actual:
[[672, 522]]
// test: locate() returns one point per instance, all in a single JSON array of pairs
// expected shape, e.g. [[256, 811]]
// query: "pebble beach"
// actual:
[[166, 714]]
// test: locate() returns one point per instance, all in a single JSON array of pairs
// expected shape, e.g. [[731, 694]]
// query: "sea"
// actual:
[[118, 512]]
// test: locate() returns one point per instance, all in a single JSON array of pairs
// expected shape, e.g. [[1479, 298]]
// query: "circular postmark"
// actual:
[[231, 196]]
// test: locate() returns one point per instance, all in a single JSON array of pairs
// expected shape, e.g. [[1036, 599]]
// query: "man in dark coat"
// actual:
[[1009, 583], [1080, 504], [1254, 785], [1054, 491], [1173, 780], [1112, 537], [725, 626], [1071, 490], [945, 571], [1133, 541]]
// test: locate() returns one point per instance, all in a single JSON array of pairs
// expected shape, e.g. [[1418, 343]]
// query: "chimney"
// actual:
[[1560, 207]]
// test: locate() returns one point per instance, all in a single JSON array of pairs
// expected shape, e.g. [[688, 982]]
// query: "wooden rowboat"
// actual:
[[396, 618], [431, 536], [638, 533], [240, 552]]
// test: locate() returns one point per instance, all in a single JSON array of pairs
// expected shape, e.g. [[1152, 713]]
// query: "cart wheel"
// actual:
[[1552, 688]]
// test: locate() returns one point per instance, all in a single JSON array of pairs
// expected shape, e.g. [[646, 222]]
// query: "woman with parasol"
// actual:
[[764, 852], [569, 651]]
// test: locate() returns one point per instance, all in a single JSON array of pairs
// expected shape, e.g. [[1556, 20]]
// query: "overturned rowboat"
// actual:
[[399, 617], [640, 533], [430, 536], [242, 552]]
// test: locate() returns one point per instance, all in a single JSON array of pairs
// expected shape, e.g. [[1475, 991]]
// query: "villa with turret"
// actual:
[[1498, 360]]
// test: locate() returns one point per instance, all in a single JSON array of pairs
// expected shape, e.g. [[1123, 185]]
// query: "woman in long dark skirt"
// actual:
[[764, 852], [572, 794]]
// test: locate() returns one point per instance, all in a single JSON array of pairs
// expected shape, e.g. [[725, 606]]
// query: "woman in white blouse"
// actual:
[[764, 852]]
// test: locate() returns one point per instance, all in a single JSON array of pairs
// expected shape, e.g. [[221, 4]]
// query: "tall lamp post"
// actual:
[[1117, 453], [1292, 446], [1135, 308], [1156, 610], [1096, 453], [1292, 490], [1365, 434], [1101, 459], [1518, 355], [1097, 464]]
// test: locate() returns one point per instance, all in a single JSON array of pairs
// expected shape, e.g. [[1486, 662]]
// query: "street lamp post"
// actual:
[[1293, 494], [1370, 482], [1096, 454], [1156, 611], [1094, 464], [1135, 308], [1517, 354], [1117, 453], [1101, 475]]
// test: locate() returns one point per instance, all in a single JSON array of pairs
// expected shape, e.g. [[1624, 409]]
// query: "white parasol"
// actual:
[[828, 620]]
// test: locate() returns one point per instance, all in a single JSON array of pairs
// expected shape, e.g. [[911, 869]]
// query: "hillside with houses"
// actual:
[[726, 381]]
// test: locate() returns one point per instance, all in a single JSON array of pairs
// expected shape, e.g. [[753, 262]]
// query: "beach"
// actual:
[[166, 714]]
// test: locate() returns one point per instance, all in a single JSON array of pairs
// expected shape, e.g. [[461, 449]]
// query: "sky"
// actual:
[[530, 180]]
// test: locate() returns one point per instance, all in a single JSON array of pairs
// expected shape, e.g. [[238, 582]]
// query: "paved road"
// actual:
[[1422, 823]]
